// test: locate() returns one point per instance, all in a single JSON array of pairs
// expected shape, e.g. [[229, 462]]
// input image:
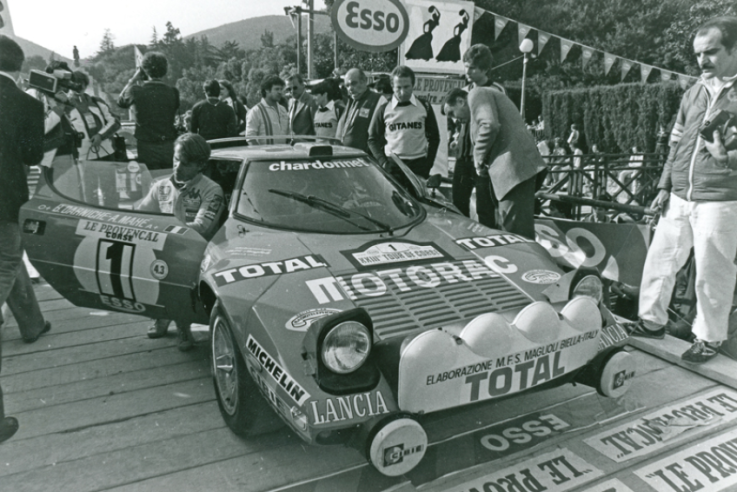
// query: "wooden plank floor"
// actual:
[[102, 407]]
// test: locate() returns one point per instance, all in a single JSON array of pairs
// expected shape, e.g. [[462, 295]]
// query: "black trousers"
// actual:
[[517, 209], [465, 180]]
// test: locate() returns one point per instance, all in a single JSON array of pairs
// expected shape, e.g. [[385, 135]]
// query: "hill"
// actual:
[[32, 49], [247, 32]]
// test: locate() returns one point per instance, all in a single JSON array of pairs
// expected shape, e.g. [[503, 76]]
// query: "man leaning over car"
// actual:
[[194, 199]]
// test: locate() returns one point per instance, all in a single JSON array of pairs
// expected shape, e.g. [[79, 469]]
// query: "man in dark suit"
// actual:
[[21, 143], [302, 107], [504, 150], [353, 127]]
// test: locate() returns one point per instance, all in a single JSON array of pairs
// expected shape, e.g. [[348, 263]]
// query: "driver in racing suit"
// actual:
[[194, 199]]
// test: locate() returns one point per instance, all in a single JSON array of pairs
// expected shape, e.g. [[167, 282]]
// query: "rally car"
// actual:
[[341, 302]]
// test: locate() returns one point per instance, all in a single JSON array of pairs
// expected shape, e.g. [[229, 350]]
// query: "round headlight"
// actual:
[[346, 347], [590, 286]]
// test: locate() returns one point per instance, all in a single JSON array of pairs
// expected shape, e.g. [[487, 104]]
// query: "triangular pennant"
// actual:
[[522, 31], [565, 48], [586, 55], [477, 13], [542, 40], [499, 24], [626, 66], [138, 56], [665, 75], [609, 60], [645, 72], [683, 81]]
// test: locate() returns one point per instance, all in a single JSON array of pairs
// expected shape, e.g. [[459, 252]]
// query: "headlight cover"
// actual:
[[346, 347], [590, 286]]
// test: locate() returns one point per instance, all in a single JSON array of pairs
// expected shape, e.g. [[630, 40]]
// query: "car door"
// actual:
[[83, 234]]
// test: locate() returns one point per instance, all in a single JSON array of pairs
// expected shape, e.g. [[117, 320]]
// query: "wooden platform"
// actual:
[[102, 407]]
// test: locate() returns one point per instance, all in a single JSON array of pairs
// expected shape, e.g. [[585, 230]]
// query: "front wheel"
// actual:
[[244, 410]]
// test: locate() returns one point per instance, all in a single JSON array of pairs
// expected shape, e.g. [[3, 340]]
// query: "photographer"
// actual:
[[92, 119]]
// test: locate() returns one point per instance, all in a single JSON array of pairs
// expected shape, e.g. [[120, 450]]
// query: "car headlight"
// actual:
[[346, 347], [590, 286]]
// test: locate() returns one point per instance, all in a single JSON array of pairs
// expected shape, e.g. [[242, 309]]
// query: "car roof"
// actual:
[[238, 148]]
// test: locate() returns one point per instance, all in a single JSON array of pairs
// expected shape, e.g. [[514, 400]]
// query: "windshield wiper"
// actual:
[[315, 202]]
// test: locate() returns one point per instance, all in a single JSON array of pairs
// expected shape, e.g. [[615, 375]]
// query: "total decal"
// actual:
[[667, 426], [277, 372], [426, 276], [557, 471], [269, 268], [118, 263], [708, 465], [347, 408]]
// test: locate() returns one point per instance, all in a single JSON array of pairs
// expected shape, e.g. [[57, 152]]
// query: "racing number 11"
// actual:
[[115, 268]]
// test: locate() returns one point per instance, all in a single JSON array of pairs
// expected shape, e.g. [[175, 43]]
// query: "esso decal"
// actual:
[[370, 25]]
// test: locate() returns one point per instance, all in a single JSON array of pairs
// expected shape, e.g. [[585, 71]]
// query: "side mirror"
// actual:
[[434, 181]]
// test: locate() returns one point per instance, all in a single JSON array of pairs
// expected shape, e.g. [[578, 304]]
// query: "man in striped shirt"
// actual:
[[268, 117]]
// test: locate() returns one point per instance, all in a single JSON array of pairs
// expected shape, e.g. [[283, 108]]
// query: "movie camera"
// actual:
[[51, 83]]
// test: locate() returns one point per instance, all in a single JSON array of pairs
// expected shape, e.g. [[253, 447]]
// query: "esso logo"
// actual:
[[371, 25]]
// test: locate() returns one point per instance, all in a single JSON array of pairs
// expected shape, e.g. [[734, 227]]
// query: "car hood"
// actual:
[[445, 270]]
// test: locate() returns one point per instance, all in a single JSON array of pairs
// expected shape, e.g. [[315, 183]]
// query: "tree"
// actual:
[[107, 45], [154, 43], [267, 39]]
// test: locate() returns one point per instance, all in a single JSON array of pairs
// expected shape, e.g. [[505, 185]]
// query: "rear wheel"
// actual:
[[243, 408]]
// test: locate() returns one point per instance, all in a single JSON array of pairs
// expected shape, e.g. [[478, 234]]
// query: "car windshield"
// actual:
[[339, 195]]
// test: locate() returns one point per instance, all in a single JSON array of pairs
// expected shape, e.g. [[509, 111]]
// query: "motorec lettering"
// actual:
[[369, 20], [349, 407]]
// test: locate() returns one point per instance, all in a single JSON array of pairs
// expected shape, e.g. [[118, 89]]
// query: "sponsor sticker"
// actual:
[[343, 408], [708, 465], [612, 335], [102, 215], [541, 277], [666, 426], [472, 243], [267, 269], [123, 304], [303, 320], [557, 471], [517, 435], [277, 373], [317, 164], [159, 269], [133, 167], [392, 253]]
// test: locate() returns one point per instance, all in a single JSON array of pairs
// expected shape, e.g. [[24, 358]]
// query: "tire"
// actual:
[[241, 404]]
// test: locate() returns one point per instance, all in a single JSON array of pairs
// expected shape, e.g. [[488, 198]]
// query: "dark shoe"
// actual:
[[701, 352], [47, 327], [8, 428], [159, 328], [638, 329], [186, 342]]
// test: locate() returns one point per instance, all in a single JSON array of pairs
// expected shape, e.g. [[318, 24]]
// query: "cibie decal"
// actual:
[[278, 374], [393, 455], [269, 268], [303, 320], [388, 253], [349, 407], [541, 277], [491, 241]]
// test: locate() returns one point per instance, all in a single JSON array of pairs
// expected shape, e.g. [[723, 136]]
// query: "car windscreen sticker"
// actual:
[[393, 252], [317, 164], [268, 269], [476, 242], [282, 377]]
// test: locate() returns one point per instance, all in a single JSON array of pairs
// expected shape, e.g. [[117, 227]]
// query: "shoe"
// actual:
[[47, 327], [701, 352], [159, 328], [186, 342], [8, 428], [638, 330]]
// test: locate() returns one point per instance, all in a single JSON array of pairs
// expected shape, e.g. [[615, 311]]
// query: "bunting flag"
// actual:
[[645, 72], [522, 31], [477, 13], [665, 75], [138, 56], [586, 55], [499, 24], [565, 48], [683, 81], [542, 40], [609, 60], [626, 66]]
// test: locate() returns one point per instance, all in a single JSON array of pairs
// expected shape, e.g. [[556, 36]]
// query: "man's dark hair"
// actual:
[[479, 55], [211, 88], [727, 25], [155, 64], [321, 88], [383, 85], [81, 78], [451, 98], [403, 71], [57, 65], [193, 147], [269, 82], [228, 87], [298, 77], [11, 55]]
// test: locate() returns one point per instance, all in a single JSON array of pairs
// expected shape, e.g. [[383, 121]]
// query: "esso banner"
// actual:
[[370, 25]]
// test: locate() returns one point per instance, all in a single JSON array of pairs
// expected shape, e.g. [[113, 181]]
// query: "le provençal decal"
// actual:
[[426, 276], [393, 252], [269, 268]]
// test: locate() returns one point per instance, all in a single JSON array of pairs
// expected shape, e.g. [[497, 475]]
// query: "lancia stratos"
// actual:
[[339, 302]]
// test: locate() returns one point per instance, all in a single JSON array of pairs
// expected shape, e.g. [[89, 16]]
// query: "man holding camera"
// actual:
[[698, 200]]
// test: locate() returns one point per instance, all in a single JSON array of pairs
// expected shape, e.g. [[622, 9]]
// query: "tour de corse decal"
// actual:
[[370, 25], [118, 262], [389, 253]]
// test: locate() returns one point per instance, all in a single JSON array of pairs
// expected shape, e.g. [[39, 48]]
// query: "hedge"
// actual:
[[617, 117]]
